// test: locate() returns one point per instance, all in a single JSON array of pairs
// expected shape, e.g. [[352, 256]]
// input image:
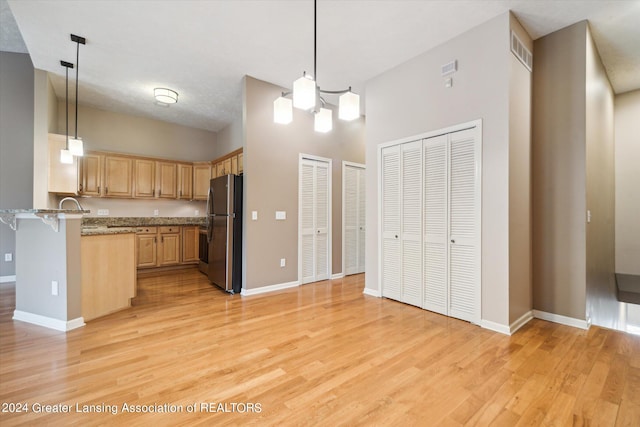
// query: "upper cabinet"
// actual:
[[102, 174], [118, 171], [185, 181]]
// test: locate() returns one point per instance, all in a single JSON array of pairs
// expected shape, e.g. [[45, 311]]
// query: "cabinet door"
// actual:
[[167, 182], [145, 182], [91, 175], [240, 163], [226, 166], [219, 169], [234, 165], [201, 181], [63, 178], [169, 249], [118, 176], [190, 237], [146, 250], [185, 182]]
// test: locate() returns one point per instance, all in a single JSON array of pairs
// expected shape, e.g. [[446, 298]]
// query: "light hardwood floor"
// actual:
[[321, 354]]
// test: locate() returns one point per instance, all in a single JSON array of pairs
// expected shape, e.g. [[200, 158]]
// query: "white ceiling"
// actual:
[[203, 48]]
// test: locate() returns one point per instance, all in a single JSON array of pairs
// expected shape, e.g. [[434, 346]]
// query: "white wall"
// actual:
[[627, 176], [411, 99]]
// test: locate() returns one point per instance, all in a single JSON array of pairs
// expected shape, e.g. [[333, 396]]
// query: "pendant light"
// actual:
[[65, 155], [75, 144], [306, 95]]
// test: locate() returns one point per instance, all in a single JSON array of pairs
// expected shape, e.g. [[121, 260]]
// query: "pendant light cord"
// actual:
[[77, 71], [315, 74], [66, 97]]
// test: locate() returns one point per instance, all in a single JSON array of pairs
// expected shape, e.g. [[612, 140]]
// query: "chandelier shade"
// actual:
[[282, 110], [349, 106], [75, 147], [66, 157], [304, 93], [323, 120]]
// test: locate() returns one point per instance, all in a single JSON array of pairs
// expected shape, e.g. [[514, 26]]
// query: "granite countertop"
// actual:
[[93, 226]]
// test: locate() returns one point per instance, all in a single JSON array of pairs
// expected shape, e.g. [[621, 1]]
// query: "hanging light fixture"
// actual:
[[75, 144], [307, 95], [164, 95], [65, 155]]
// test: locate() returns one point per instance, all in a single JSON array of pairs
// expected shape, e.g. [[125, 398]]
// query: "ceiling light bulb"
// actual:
[[282, 111], [164, 95], [322, 121], [349, 106], [66, 157], [304, 93], [76, 147]]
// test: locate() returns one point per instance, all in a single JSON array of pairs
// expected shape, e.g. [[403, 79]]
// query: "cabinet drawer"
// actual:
[[172, 229], [146, 230]]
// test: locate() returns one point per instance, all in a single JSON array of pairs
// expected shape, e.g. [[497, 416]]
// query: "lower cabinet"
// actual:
[[166, 246]]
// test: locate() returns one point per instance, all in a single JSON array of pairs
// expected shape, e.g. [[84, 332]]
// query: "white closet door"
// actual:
[[354, 225], [436, 218], [314, 220], [390, 221], [464, 225], [411, 223]]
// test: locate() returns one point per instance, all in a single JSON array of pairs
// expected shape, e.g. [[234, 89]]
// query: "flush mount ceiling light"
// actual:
[[306, 95], [164, 95], [65, 155], [75, 144]]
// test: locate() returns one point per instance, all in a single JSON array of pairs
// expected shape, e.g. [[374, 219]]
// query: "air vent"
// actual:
[[521, 52], [449, 68]]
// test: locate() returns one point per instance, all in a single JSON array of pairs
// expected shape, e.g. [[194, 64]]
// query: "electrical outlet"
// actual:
[[283, 262], [103, 212], [156, 212], [54, 287], [197, 212], [8, 257]]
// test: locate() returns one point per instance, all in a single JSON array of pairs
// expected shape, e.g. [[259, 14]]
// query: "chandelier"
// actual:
[[307, 95]]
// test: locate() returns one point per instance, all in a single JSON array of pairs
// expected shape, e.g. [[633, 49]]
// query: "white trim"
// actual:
[[6, 279], [563, 320], [520, 322], [346, 164], [337, 276], [48, 322], [372, 292], [269, 288], [329, 162], [496, 327], [455, 128]]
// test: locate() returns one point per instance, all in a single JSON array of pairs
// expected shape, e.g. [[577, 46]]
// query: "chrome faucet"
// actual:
[[70, 198]]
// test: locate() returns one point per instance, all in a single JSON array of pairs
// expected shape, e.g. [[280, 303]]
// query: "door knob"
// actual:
[[453, 241]]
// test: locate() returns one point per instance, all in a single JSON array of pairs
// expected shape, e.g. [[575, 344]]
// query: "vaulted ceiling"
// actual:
[[203, 48]]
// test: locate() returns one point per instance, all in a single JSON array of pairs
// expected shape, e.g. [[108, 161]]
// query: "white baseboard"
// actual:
[[520, 322], [337, 276], [563, 320], [7, 279], [372, 292], [269, 288], [48, 322], [495, 327]]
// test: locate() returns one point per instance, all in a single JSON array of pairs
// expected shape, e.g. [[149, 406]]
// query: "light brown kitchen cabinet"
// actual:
[[146, 247], [166, 184], [190, 251], [118, 172], [201, 178], [234, 165], [219, 169], [169, 246], [185, 181], [145, 178], [91, 175], [63, 178], [240, 163]]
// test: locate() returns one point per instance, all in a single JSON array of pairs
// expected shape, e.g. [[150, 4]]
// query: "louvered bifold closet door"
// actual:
[[307, 228], [436, 218], [362, 229], [322, 221], [411, 223], [464, 226], [351, 220], [390, 251]]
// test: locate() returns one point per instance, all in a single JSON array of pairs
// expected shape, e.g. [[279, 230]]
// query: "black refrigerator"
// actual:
[[224, 232]]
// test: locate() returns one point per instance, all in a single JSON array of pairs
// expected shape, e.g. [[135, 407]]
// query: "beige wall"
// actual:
[[627, 180], [411, 99], [271, 156], [559, 177], [230, 138], [520, 292], [600, 250], [138, 207]]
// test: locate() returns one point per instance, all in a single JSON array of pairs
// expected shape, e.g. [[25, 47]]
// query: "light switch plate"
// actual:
[[54, 288], [281, 215], [8, 257], [156, 212], [254, 215], [283, 262]]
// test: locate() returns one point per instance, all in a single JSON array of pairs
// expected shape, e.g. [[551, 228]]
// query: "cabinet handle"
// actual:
[[81, 187], [98, 189], [180, 193], [160, 193], [161, 239], [106, 190], [155, 240]]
